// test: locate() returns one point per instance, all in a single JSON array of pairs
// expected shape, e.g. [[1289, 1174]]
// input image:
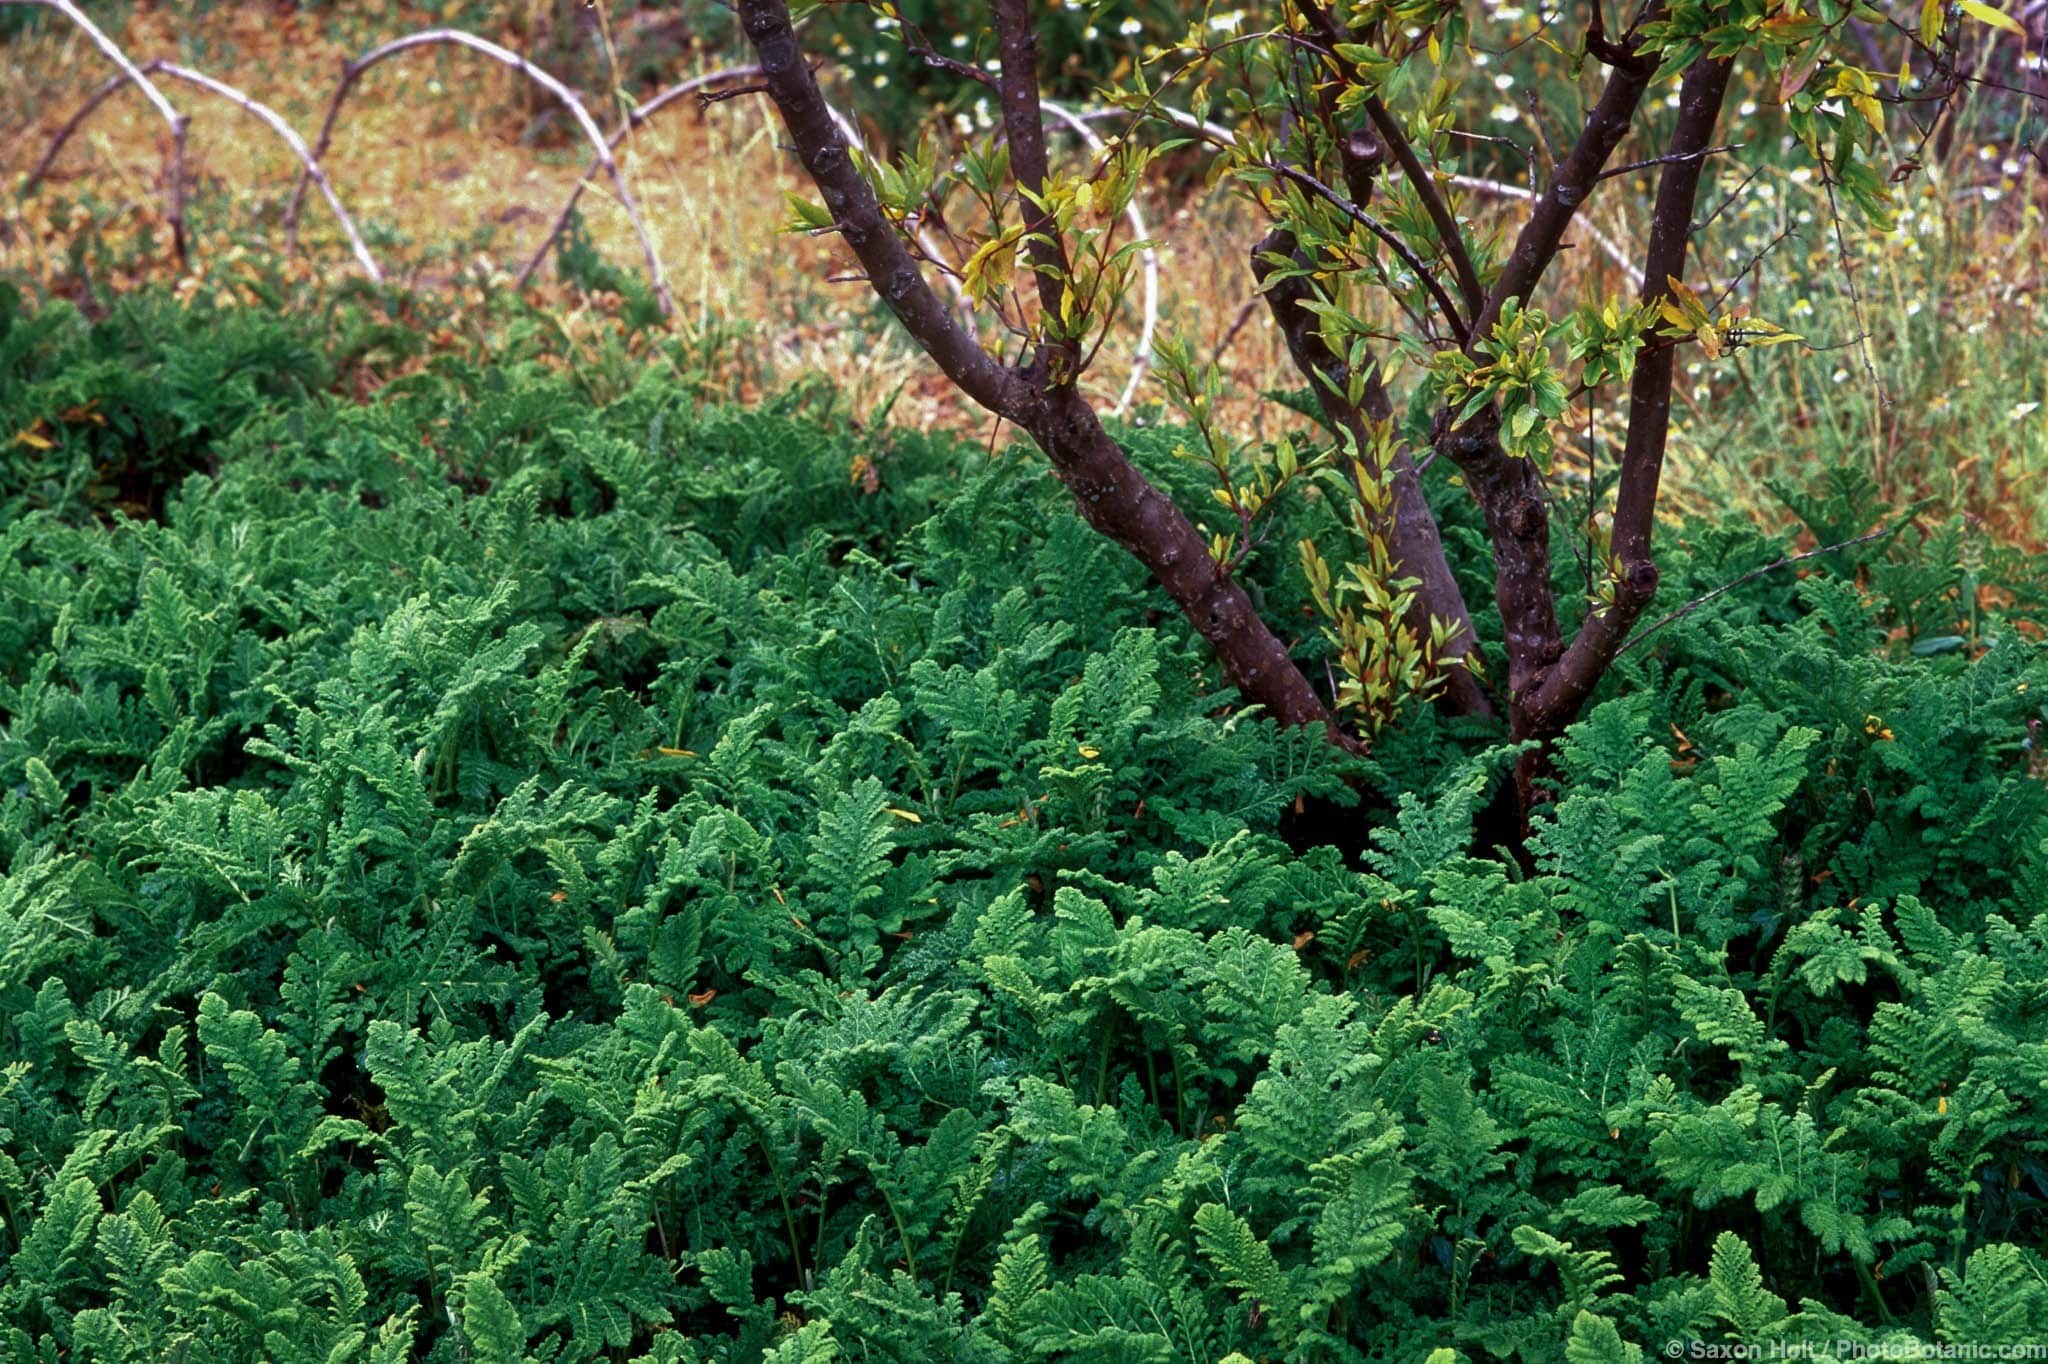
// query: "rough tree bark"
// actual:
[[1111, 494]]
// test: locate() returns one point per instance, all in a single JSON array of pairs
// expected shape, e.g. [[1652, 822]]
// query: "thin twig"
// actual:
[[1244, 314], [850, 131], [1608, 246], [1697, 602], [567, 98], [1498, 188], [175, 162], [1459, 326], [1670, 160], [1148, 256]]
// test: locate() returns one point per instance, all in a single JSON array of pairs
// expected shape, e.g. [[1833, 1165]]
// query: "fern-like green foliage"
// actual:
[[641, 899]]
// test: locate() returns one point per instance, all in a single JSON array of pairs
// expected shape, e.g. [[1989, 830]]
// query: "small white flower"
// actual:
[[1748, 109], [1506, 113], [1840, 376], [1992, 194], [1224, 23], [1913, 308], [1803, 175], [2020, 410], [1671, 100], [1091, 33], [1130, 28], [881, 80], [1503, 81], [959, 40], [1987, 152]]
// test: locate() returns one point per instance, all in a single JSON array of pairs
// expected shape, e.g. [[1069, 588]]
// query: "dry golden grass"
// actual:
[[431, 160]]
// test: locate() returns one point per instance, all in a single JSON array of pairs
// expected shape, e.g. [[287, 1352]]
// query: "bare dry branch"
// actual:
[[242, 101], [175, 161], [566, 97], [634, 118]]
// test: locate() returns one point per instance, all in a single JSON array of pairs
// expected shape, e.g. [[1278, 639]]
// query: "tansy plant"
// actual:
[[1342, 125]]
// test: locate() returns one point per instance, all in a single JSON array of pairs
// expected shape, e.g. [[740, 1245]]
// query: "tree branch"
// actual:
[[1608, 122], [1350, 210], [1148, 257], [1109, 492], [1024, 129], [851, 200], [1433, 202], [1565, 688]]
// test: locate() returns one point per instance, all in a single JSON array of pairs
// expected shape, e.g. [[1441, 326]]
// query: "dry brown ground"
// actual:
[[430, 152]]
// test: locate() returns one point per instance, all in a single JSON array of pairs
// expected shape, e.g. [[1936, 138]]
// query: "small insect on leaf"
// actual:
[[1089, 752], [676, 752], [908, 817], [700, 999]]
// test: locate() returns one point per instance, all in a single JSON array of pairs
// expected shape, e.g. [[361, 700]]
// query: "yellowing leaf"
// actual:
[[34, 439], [1985, 14], [989, 268], [1090, 753], [676, 752], [1932, 13], [905, 815]]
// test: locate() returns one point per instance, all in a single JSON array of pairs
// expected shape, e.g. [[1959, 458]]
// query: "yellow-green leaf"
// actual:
[[1996, 18], [1932, 14]]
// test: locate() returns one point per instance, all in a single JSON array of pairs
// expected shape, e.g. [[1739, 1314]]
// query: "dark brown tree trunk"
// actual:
[[1118, 500], [1109, 491]]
